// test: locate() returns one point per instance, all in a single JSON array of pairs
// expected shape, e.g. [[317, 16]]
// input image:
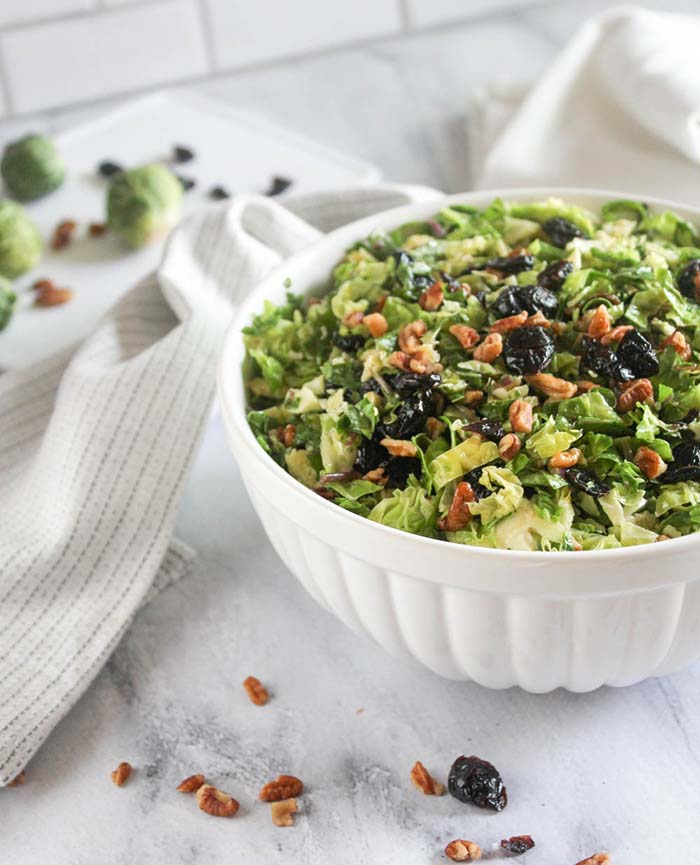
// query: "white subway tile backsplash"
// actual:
[[245, 32], [91, 57], [427, 13], [23, 11]]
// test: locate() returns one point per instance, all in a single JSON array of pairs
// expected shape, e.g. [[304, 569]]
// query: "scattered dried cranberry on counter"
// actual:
[[182, 154]]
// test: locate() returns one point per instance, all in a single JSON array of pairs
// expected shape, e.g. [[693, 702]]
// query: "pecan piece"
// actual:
[[432, 298], [256, 691], [352, 319], [585, 386], [539, 319], [425, 781], [49, 294], [510, 322], [18, 780], [410, 334], [216, 802], [399, 447], [459, 514], [466, 336], [490, 348], [509, 446], [551, 386], [461, 850], [520, 416], [95, 229], [121, 774], [595, 859], [377, 476], [423, 361], [649, 462], [600, 322], [285, 787], [616, 334], [191, 784], [565, 459], [679, 344], [435, 427], [639, 390], [376, 324], [472, 396], [62, 234], [282, 812], [400, 360], [285, 434]]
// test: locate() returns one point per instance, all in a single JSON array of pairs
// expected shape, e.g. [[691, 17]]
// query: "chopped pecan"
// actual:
[[399, 447], [520, 416], [459, 514], [400, 360], [282, 812], [216, 802], [121, 774], [600, 322], [289, 434], [465, 335], [510, 322], [616, 334], [679, 343], [379, 305], [284, 787], [663, 538], [410, 335], [565, 459], [461, 850], [62, 234], [432, 298], [376, 324], [649, 462], [18, 780], [595, 859], [424, 360], [95, 229], [256, 691], [585, 386], [377, 476], [191, 784], [473, 396], [49, 294], [539, 319], [509, 446], [425, 781], [435, 427], [551, 386], [352, 319], [639, 390], [490, 348]]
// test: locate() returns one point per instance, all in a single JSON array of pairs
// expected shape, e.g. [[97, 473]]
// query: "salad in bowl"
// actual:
[[517, 376]]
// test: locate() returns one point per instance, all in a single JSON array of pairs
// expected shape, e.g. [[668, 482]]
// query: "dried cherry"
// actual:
[[636, 354], [586, 481], [685, 465], [688, 280], [511, 264], [535, 298], [473, 479], [399, 470], [476, 781], [597, 358], [553, 276], [350, 342], [489, 429], [508, 302], [518, 844], [528, 350], [370, 454], [410, 416], [561, 231], [410, 382]]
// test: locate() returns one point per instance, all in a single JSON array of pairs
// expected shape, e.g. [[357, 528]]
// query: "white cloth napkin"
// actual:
[[618, 109], [95, 445]]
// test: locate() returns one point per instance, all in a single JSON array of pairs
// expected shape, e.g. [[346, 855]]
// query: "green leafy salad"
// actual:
[[524, 377]]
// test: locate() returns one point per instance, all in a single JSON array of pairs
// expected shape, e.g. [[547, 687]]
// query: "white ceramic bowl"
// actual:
[[498, 617]]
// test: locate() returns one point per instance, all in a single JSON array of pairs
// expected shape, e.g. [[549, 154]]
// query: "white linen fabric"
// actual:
[[618, 109], [95, 446]]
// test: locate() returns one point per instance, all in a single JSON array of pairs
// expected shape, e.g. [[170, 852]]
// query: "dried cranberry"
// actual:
[[182, 154], [410, 382], [685, 465], [109, 169], [538, 299], [636, 353], [473, 479], [553, 276], [508, 302], [586, 481], [349, 342], [399, 469], [370, 454], [476, 781], [489, 429], [219, 193], [511, 264], [689, 280], [596, 357], [561, 231], [411, 416], [528, 350], [518, 844]]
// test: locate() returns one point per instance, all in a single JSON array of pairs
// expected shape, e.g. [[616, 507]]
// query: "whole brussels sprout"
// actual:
[[20, 242], [32, 167], [143, 204], [7, 301]]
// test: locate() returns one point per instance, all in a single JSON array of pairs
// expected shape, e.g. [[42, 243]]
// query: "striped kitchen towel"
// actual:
[[95, 445]]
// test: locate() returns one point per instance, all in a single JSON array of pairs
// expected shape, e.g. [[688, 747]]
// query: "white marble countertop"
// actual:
[[615, 770]]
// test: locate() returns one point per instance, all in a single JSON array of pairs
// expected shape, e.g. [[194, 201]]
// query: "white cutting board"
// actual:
[[233, 149]]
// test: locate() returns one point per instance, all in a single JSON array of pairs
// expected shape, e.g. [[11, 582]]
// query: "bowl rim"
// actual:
[[235, 413]]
